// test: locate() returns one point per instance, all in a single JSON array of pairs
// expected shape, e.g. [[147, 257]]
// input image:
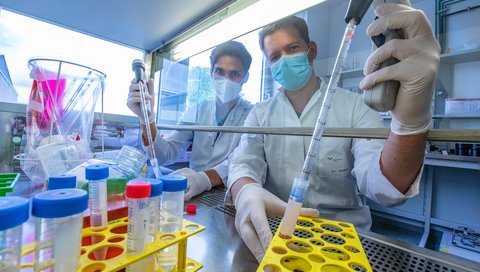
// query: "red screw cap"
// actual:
[[138, 189], [191, 209]]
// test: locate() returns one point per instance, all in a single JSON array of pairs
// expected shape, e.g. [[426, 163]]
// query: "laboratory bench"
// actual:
[[220, 248]]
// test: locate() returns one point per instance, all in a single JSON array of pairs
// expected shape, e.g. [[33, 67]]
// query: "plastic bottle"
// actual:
[[137, 193], [172, 217], [97, 190], [130, 161], [13, 213], [62, 182], [58, 229]]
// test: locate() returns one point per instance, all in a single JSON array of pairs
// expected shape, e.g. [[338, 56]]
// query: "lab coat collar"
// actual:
[[321, 82]]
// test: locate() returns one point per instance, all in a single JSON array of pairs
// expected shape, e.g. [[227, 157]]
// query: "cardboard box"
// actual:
[[462, 106]]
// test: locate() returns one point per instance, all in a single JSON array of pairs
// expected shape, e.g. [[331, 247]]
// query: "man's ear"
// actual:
[[313, 51], [245, 78]]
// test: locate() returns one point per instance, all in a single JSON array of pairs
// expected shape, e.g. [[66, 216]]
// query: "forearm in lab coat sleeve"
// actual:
[[370, 180], [248, 159], [222, 170], [373, 184], [169, 150]]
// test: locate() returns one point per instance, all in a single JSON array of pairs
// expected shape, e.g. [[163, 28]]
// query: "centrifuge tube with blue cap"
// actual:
[[97, 189], [355, 13], [58, 229], [155, 208], [137, 193], [172, 217], [13, 213]]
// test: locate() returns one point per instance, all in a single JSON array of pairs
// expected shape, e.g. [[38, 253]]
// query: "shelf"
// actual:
[[465, 162], [466, 116], [355, 73], [451, 58], [461, 56]]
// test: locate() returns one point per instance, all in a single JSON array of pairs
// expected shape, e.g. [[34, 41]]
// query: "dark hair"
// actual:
[[233, 49], [290, 21]]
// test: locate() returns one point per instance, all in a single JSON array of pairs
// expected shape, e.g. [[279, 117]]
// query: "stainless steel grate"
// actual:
[[215, 198]]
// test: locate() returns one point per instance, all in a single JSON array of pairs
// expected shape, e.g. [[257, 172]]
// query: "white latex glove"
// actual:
[[419, 56], [254, 204], [134, 101], [197, 182]]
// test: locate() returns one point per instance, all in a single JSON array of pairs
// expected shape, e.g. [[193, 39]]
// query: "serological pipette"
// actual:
[[355, 13], [139, 68]]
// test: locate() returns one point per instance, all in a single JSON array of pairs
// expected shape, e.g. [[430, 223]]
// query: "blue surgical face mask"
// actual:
[[292, 71]]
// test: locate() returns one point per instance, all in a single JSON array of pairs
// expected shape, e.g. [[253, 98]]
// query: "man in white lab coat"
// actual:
[[263, 167], [208, 166]]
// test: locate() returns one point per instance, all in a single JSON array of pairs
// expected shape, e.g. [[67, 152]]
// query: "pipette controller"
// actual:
[[138, 66], [356, 11], [383, 95]]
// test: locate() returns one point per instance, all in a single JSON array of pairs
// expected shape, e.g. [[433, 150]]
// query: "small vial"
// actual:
[[13, 213], [58, 229], [138, 192], [62, 182], [172, 217], [97, 189]]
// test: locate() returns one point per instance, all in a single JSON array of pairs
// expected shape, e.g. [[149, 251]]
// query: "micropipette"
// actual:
[[356, 11], [139, 68]]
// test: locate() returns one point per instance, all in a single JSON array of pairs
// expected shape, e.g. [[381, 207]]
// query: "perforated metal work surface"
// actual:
[[382, 255], [215, 198]]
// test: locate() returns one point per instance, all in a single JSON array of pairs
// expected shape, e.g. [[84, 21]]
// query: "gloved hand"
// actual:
[[197, 182], [134, 101], [419, 56], [254, 204]]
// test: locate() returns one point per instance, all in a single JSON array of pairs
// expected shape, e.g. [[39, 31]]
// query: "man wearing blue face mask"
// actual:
[[208, 166], [263, 167]]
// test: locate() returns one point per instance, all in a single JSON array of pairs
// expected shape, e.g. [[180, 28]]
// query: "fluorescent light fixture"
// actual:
[[248, 19]]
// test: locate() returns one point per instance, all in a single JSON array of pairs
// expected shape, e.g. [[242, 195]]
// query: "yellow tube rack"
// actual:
[[114, 238], [318, 245]]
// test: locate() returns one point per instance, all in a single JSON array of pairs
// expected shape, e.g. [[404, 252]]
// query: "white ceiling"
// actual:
[[142, 24]]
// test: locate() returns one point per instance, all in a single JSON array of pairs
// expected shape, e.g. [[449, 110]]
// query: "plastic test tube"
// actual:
[[13, 213], [97, 190], [62, 182], [172, 217], [137, 192], [154, 206], [58, 229]]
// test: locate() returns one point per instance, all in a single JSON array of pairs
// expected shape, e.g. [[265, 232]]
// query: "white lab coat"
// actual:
[[210, 150], [344, 166]]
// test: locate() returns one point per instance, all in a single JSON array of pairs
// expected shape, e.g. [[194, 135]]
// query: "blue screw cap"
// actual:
[[174, 183], [62, 182], [96, 172], [157, 186], [13, 211], [59, 203]]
